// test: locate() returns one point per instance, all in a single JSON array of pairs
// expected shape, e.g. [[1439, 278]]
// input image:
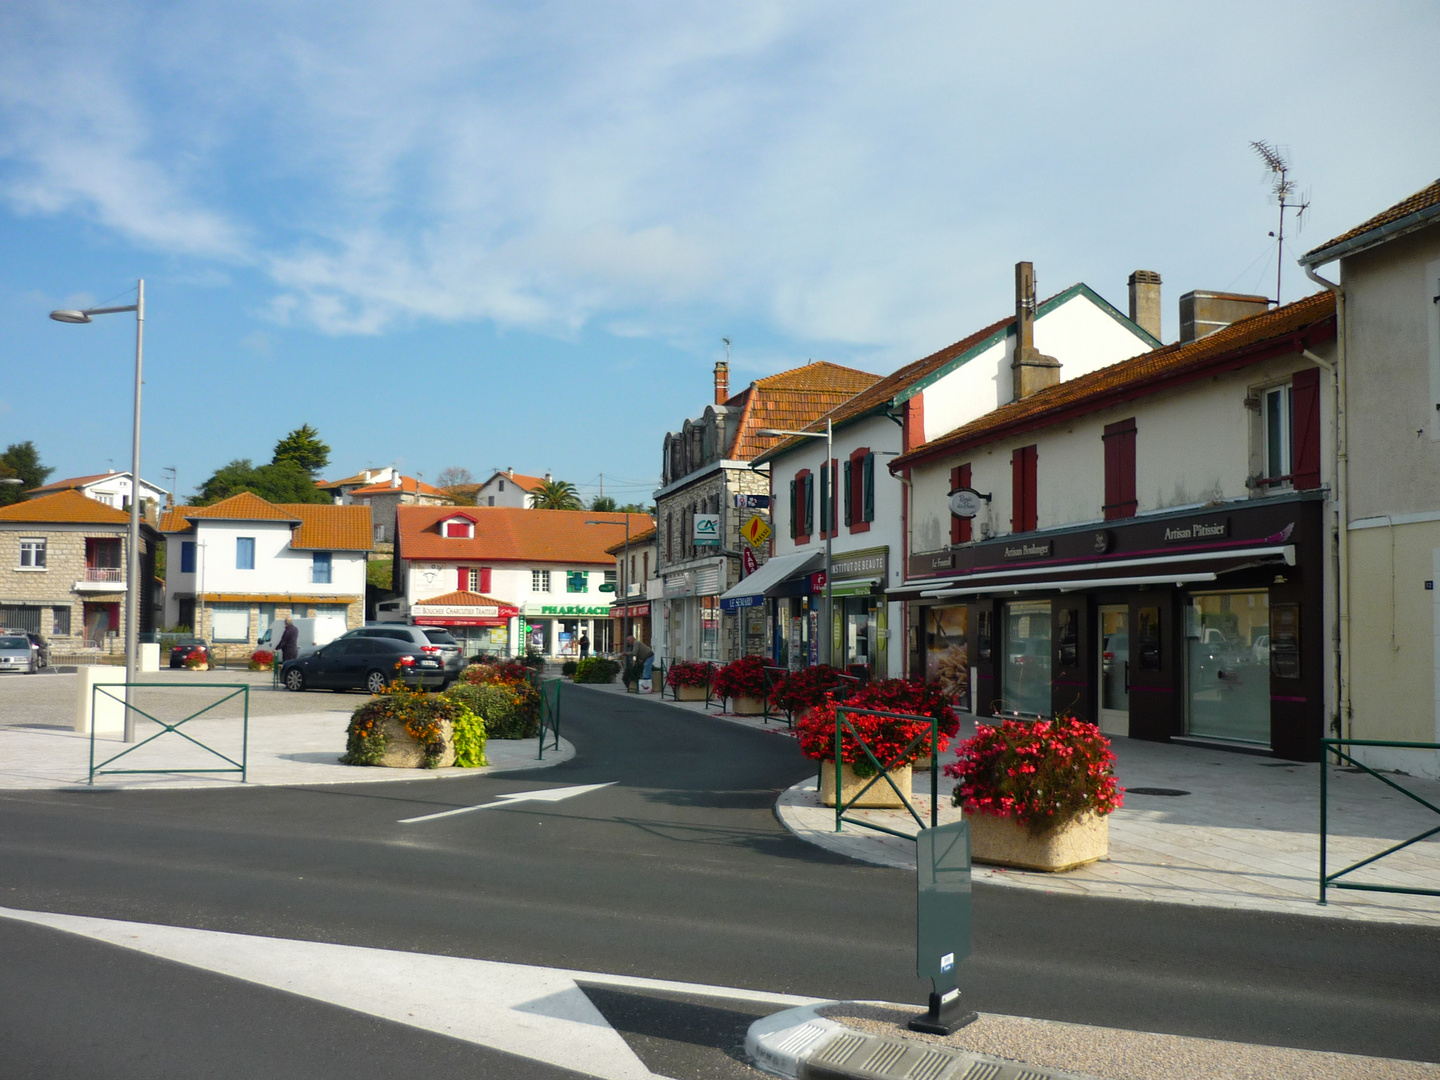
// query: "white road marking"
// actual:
[[534, 1012], [547, 795]]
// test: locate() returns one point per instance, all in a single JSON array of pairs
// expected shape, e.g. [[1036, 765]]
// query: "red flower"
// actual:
[[688, 673], [741, 678], [888, 738]]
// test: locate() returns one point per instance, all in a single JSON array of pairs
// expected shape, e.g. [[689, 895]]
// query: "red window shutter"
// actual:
[[1305, 430], [1120, 499], [1023, 517], [959, 527], [464, 582], [966, 524], [485, 580]]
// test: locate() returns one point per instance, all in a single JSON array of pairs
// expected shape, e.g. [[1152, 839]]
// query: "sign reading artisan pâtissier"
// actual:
[[1214, 529], [1032, 549]]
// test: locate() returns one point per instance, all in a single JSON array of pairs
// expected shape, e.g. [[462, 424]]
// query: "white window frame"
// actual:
[[32, 546], [226, 618], [540, 581], [239, 542], [1270, 469]]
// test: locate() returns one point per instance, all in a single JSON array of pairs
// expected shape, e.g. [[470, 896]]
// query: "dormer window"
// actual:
[[458, 528]]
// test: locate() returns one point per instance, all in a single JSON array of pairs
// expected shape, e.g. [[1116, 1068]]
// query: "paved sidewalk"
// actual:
[[1245, 833], [38, 750]]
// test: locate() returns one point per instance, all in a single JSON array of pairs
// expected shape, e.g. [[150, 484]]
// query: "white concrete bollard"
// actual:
[[109, 716], [150, 656]]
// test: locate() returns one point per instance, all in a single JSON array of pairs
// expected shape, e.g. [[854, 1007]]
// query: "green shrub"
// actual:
[[422, 715], [469, 740], [568, 667], [509, 710], [596, 669]]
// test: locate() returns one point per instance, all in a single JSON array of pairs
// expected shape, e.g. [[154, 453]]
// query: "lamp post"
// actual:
[[132, 559], [624, 572], [828, 480]]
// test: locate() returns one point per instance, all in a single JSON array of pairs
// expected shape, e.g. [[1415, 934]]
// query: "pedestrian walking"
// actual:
[[289, 641], [584, 646]]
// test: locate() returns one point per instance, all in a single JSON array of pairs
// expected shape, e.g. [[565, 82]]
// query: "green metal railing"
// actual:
[[241, 690], [1331, 881], [842, 723], [549, 710], [773, 675]]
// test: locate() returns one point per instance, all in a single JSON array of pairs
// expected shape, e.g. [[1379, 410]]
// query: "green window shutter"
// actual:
[[849, 502], [868, 486], [810, 504], [793, 521]]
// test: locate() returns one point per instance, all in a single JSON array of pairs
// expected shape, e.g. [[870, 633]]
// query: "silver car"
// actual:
[[16, 655]]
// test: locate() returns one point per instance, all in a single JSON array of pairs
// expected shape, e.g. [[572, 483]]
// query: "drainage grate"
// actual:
[[1155, 791]]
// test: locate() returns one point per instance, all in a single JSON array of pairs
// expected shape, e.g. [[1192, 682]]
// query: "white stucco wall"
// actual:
[[278, 567]]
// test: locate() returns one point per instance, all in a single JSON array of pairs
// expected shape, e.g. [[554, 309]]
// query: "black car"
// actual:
[[366, 663], [432, 640], [183, 647]]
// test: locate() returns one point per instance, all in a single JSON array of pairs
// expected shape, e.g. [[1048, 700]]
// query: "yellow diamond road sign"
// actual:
[[756, 531]]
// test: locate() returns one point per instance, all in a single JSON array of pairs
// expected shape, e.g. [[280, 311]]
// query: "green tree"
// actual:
[[283, 482], [21, 461], [603, 504], [304, 448], [557, 495], [635, 508]]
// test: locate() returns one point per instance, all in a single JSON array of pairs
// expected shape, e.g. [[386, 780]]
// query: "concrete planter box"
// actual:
[[1005, 842], [881, 796], [403, 750], [690, 693], [747, 706]]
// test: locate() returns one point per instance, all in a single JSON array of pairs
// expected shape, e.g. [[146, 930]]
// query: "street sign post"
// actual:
[[942, 926]]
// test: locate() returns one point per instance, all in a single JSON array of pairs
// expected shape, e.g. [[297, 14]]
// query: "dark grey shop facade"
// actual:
[[1204, 624]]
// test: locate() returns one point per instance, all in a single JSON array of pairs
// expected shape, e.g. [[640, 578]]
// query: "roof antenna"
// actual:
[[1283, 189]]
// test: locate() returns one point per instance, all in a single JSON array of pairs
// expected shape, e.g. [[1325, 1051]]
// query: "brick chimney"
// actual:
[[1145, 301], [1030, 370], [722, 382]]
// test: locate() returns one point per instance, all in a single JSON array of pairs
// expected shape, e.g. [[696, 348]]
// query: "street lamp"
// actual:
[[132, 560], [828, 479], [624, 572]]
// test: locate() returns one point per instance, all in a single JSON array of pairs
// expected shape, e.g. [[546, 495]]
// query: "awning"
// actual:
[[1190, 567], [751, 591]]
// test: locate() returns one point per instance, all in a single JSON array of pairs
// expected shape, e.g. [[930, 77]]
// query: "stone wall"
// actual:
[[54, 586]]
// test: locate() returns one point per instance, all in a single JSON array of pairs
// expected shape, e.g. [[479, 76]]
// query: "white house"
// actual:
[[236, 566], [506, 487], [111, 488], [1071, 334], [546, 567]]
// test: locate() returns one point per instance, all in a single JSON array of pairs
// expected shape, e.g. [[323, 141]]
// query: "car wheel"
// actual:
[[295, 679], [376, 682]]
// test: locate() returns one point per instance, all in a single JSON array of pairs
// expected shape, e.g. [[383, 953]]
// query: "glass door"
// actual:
[[1227, 665], [1115, 669]]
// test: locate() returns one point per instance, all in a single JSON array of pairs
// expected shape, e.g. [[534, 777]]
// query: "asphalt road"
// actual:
[[678, 871]]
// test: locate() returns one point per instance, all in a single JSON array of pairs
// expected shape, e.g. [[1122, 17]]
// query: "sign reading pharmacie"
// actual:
[[563, 610]]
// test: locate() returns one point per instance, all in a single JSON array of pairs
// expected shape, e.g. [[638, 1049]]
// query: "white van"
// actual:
[[314, 632]]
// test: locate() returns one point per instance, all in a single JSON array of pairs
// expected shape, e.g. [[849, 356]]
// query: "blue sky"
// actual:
[[494, 235]]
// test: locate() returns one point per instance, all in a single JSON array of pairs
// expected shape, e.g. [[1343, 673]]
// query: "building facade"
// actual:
[[1144, 546], [236, 566], [111, 488], [637, 586]]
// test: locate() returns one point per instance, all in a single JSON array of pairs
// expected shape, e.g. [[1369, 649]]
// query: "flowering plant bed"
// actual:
[[744, 677], [506, 672], [808, 687], [889, 738], [197, 660], [406, 728], [1042, 775], [262, 660], [688, 673]]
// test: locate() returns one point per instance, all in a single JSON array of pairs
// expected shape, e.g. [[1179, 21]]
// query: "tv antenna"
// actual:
[[1283, 189]]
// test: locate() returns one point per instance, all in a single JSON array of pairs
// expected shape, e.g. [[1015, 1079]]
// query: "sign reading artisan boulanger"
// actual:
[[1031, 550]]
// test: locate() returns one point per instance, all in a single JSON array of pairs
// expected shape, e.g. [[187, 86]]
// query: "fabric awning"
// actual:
[[752, 590]]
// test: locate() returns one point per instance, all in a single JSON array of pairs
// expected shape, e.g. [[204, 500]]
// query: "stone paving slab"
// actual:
[[1245, 835]]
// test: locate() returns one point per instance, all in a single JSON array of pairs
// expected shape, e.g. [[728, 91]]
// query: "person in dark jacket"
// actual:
[[584, 646], [289, 641]]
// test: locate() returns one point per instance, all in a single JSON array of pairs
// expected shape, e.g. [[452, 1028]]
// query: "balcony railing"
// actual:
[[104, 573]]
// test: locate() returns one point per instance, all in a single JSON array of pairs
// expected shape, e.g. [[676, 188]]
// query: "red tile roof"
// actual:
[[1425, 199], [791, 399], [65, 508], [1286, 329], [636, 539], [317, 526], [528, 483], [72, 482], [358, 478], [408, 484], [465, 598], [513, 534]]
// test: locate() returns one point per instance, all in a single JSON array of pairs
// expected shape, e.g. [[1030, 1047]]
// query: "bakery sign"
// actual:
[[1179, 533]]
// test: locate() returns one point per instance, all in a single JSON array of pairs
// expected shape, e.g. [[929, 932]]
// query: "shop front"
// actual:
[[693, 614], [632, 617], [480, 623], [774, 608], [861, 628], [556, 629], [1205, 625]]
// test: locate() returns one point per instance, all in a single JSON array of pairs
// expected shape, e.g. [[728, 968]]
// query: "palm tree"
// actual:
[[556, 495]]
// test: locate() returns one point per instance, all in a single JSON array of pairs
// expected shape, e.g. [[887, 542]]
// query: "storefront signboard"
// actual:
[[752, 502], [562, 610], [478, 611], [755, 530], [748, 562], [1285, 641], [873, 562], [736, 603], [1041, 549], [706, 532], [966, 502], [817, 581], [1190, 531]]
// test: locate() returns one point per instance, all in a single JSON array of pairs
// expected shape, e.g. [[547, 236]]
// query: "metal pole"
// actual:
[[132, 562], [625, 576], [829, 629]]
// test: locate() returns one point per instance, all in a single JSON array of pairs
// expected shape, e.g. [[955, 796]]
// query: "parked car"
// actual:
[[15, 654], [39, 647], [365, 663], [182, 648], [430, 640], [1260, 648]]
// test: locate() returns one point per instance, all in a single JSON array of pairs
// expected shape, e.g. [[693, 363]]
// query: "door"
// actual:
[[1114, 675]]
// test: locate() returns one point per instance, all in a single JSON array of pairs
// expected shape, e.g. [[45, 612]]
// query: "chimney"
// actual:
[[722, 382], [1203, 313], [395, 480], [548, 477], [1145, 301], [1031, 371]]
